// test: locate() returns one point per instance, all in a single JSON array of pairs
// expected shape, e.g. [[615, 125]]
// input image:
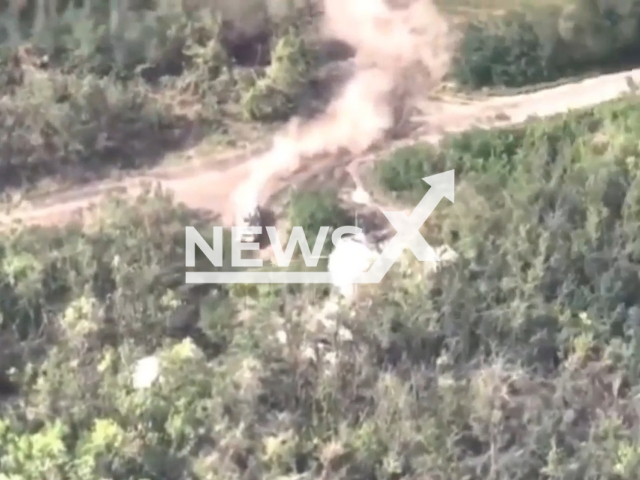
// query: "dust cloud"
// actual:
[[401, 51]]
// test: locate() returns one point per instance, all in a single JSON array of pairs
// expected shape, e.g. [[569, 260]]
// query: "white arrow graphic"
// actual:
[[408, 228]]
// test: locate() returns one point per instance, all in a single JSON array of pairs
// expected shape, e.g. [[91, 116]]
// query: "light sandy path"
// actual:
[[213, 188]]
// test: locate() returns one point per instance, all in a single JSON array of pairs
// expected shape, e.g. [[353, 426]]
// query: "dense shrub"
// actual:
[[482, 151], [72, 128], [515, 50], [568, 179], [106, 86], [128, 247], [317, 208], [506, 51], [518, 359], [551, 268], [274, 95]]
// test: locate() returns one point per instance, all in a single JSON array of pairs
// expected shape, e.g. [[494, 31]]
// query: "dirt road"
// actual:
[[214, 188]]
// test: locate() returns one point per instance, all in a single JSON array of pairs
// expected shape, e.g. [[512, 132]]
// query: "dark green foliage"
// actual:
[[314, 209], [517, 50], [480, 151], [520, 357], [129, 252], [83, 94], [77, 129], [549, 213], [504, 52]]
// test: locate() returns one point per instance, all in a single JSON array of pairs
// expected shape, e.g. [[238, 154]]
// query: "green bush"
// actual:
[[68, 127], [314, 209], [481, 151], [274, 96], [547, 282], [517, 50], [105, 86], [107, 255], [552, 182], [504, 52]]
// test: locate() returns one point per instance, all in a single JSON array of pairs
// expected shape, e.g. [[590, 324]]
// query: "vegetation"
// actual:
[[92, 86], [529, 46], [314, 209], [517, 360]]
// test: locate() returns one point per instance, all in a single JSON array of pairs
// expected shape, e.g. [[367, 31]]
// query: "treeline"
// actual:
[[520, 49], [88, 87]]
